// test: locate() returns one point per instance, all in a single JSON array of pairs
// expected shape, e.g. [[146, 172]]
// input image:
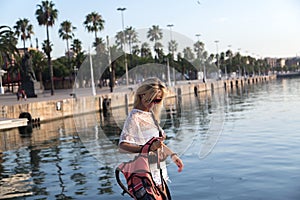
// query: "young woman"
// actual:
[[142, 124]]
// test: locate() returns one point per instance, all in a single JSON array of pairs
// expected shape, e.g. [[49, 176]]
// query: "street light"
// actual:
[[170, 26], [125, 59], [247, 63], [219, 75], [204, 69], [172, 51], [198, 40], [230, 57], [198, 36], [239, 49]]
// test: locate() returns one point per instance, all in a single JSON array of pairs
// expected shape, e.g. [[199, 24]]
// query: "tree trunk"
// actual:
[[49, 63]]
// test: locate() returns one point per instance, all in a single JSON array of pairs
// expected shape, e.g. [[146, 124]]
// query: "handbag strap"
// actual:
[[146, 147], [157, 124]]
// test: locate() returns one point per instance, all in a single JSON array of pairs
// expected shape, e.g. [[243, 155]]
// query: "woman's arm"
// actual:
[[126, 147], [175, 158], [134, 148]]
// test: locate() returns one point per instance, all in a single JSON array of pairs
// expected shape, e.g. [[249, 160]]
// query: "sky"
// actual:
[[259, 28]]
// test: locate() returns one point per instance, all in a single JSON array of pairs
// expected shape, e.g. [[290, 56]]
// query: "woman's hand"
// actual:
[[156, 145], [177, 161]]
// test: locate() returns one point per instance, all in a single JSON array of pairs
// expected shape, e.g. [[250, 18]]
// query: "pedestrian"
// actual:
[[142, 124], [21, 94]]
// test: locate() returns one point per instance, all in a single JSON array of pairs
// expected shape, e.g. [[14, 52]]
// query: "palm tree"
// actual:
[[24, 29], [211, 58], [173, 47], [188, 54], [158, 48], [79, 54], [47, 47], [8, 51], [229, 54], [30, 32], [94, 22], [131, 37], [120, 39], [79, 57], [8, 44], [39, 61], [145, 50], [76, 46], [66, 33], [46, 15], [136, 50], [198, 48], [155, 34], [99, 45]]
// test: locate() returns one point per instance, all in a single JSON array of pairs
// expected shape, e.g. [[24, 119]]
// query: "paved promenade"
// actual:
[[11, 99]]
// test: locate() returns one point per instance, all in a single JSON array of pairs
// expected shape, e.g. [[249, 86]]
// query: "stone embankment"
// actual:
[[84, 103]]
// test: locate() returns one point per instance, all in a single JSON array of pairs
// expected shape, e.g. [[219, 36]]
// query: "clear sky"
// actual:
[[264, 28]]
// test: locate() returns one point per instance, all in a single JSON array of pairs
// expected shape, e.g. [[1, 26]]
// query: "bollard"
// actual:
[[195, 91], [26, 115], [26, 131], [212, 88], [106, 106]]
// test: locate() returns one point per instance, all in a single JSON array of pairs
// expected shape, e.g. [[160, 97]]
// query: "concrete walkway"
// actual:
[[11, 99]]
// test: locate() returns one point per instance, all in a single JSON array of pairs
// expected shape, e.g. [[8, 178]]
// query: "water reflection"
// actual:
[[76, 157]]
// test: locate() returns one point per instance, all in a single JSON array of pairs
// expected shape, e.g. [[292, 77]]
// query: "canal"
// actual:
[[239, 143]]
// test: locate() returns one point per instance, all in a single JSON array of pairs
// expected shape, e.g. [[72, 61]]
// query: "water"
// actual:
[[257, 155]]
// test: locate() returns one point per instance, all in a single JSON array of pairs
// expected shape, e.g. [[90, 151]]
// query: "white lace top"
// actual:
[[139, 128]]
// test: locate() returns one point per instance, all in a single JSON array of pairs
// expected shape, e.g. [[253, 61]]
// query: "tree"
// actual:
[[229, 54], [136, 50], [46, 15], [120, 40], [8, 51], [158, 48], [131, 37], [76, 46], [79, 56], [155, 34], [66, 33], [99, 45], [188, 54], [173, 46], [39, 61], [94, 23], [24, 29], [198, 48], [7, 45], [145, 50]]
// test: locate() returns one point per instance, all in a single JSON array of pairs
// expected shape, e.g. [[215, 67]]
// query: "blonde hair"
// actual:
[[150, 88]]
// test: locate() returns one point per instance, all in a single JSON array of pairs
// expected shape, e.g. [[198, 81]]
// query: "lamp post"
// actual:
[[171, 38], [230, 57], [218, 64], [170, 26], [201, 61], [247, 63], [125, 59], [198, 40], [92, 74], [239, 49], [172, 49], [198, 36]]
